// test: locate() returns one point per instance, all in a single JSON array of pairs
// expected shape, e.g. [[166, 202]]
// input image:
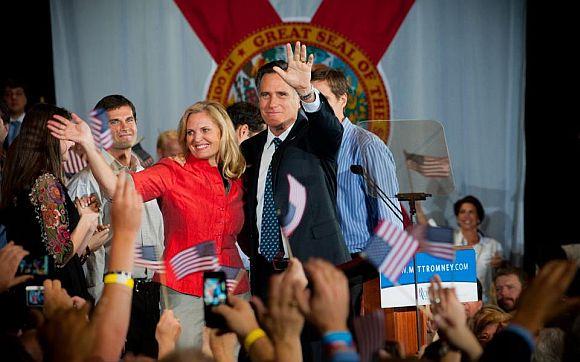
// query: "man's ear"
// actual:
[[242, 131]]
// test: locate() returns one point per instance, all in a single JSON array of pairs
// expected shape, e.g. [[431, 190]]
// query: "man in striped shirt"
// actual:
[[359, 207]]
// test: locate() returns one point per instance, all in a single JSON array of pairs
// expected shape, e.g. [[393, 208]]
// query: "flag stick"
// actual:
[[286, 244], [163, 280]]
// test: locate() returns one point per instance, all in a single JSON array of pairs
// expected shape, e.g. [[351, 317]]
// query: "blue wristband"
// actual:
[[337, 336]]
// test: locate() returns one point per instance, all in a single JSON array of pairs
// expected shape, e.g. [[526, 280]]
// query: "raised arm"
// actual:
[[111, 317], [298, 73], [79, 132], [325, 129]]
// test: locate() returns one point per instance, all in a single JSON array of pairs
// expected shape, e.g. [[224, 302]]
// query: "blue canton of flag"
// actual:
[[390, 249], [197, 258], [376, 250], [436, 241], [99, 123], [296, 206], [146, 257]]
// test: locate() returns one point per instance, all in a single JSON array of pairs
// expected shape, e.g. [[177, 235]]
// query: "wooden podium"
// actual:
[[400, 323]]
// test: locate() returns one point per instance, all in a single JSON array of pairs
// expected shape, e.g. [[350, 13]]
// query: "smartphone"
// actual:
[[34, 266], [215, 292], [34, 296]]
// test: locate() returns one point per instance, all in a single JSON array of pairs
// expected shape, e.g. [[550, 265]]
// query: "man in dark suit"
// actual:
[[302, 146]]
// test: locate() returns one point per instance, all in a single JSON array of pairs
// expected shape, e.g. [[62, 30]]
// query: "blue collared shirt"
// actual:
[[359, 208]]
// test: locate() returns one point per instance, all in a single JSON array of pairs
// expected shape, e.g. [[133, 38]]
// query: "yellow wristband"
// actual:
[[113, 278], [252, 337]]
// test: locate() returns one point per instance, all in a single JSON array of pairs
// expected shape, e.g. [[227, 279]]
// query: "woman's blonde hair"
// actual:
[[487, 315], [229, 156]]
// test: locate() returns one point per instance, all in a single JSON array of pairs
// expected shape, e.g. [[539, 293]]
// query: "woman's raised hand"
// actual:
[[75, 130]]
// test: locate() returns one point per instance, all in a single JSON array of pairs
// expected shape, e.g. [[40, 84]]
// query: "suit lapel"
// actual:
[[255, 159]]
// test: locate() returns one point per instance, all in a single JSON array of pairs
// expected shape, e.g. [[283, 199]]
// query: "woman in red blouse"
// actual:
[[202, 199]]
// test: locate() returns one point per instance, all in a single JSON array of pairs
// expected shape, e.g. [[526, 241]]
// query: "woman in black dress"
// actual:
[[36, 209]]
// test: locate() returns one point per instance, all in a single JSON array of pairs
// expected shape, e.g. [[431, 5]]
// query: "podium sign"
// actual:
[[459, 273]]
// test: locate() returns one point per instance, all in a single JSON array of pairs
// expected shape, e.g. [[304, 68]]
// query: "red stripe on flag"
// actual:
[[404, 247]]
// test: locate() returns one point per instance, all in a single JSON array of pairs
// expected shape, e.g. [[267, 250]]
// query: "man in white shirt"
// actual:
[[145, 302]]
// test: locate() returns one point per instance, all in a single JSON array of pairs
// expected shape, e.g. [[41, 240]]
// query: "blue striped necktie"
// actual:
[[270, 229]]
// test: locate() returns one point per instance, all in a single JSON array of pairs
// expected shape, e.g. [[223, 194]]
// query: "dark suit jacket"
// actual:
[[507, 346], [309, 154]]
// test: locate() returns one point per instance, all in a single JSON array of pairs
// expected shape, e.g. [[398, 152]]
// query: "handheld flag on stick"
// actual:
[[233, 277], [436, 241], [201, 257], [296, 206], [390, 250], [142, 155], [99, 123], [146, 257]]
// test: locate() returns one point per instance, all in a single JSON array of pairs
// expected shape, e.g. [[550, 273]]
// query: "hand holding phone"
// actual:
[[215, 292], [34, 296], [10, 257], [34, 266]]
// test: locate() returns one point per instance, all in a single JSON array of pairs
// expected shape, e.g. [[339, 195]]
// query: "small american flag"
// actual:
[[233, 277], [436, 241], [146, 257], [428, 166], [370, 333], [390, 249], [74, 163], [296, 206], [197, 258], [142, 155], [99, 122]]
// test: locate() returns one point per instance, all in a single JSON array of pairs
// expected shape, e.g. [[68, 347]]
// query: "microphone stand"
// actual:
[[412, 198], [359, 170], [359, 266], [355, 266]]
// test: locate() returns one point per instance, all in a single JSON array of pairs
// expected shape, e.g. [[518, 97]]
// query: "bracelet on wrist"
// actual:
[[252, 337], [119, 277], [85, 255], [122, 272]]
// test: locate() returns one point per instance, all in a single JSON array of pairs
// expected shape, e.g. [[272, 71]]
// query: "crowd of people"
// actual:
[[222, 177]]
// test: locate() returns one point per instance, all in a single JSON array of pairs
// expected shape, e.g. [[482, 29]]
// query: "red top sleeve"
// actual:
[[154, 181]]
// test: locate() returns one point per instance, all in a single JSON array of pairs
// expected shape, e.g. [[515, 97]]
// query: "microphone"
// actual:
[[359, 170]]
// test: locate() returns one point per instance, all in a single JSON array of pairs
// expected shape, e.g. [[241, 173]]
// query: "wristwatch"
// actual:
[[307, 95]]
